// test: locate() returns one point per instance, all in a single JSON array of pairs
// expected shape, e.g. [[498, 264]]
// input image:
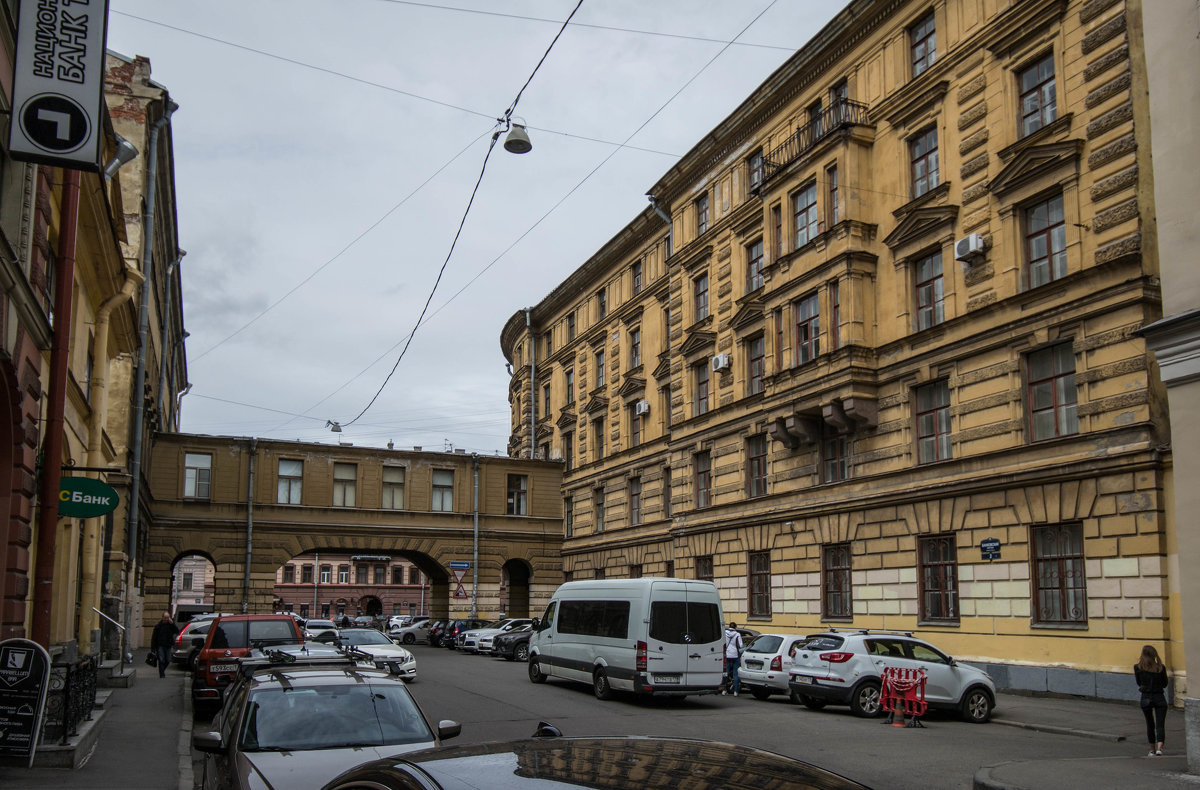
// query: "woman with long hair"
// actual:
[[1151, 677]]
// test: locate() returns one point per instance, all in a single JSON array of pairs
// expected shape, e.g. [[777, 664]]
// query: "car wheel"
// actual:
[[191, 661], [600, 685], [865, 701], [760, 693], [408, 638], [976, 706], [522, 652], [535, 672]]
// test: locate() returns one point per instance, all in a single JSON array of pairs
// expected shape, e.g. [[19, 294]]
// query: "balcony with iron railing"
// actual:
[[841, 114]]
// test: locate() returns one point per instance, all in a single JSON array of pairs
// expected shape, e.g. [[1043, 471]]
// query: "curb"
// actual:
[[187, 777], [1100, 736]]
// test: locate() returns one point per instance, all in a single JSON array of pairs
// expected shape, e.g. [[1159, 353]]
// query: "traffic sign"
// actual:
[[460, 565], [989, 548]]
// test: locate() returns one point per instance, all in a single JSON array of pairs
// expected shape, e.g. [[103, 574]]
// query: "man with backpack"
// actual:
[[733, 653]]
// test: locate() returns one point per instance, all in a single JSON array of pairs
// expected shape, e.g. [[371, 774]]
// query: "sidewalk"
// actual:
[[145, 741], [145, 744], [1128, 767]]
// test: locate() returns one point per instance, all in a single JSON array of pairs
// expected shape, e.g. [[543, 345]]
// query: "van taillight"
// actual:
[[836, 658], [639, 657], [776, 664]]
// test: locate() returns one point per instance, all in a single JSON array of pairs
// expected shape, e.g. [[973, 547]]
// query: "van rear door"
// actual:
[[686, 641]]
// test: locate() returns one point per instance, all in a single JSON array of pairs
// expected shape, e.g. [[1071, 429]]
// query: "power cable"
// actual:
[[586, 25], [371, 83], [496, 136]]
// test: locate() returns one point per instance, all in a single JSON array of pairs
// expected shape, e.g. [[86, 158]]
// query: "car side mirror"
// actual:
[[537, 624], [448, 729], [207, 742], [950, 660]]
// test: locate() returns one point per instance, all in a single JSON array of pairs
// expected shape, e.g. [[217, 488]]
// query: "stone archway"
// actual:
[[514, 588], [370, 605]]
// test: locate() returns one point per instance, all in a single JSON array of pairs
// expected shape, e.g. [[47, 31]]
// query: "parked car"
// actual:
[[601, 762], [363, 621], [383, 651], [455, 627], [229, 639], [765, 663], [472, 641], [184, 652], [418, 631], [649, 636], [844, 668], [320, 630], [513, 645], [435, 632], [300, 722]]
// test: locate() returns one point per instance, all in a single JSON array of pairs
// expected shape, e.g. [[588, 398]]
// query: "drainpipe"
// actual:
[[89, 593], [475, 544], [666, 219], [249, 527], [139, 386], [51, 467], [532, 389], [166, 325]]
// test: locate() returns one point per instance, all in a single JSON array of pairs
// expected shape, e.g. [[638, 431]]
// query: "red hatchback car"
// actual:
[[229, 639]]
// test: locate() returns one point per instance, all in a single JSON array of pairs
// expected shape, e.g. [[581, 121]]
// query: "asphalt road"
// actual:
[[494, 700]]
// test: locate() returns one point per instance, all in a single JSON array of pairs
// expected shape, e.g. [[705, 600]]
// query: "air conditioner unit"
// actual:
[[720, 362], [969, 247], [641, 407]]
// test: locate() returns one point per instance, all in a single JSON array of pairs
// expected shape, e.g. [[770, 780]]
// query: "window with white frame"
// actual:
[[443, 490], [291, 475], [804, 214], [197, 475], [345, 478], [517, 493], [393, 488]]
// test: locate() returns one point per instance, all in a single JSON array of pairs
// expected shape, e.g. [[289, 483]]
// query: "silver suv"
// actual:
[[844, 668]]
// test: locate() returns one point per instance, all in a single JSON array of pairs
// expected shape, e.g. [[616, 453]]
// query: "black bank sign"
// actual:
[[83, 497], [59, 82]]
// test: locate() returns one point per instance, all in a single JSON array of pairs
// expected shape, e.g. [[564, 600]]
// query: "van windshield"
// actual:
[[680, 622]]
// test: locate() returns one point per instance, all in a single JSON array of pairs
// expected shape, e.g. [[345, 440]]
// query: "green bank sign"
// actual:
[[83, 497]]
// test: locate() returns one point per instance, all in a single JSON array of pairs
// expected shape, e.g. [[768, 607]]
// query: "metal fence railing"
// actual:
[[70, 698]]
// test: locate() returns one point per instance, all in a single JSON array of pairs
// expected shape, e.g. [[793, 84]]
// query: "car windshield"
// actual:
[[765, 643], [331, 717], [365, 638]]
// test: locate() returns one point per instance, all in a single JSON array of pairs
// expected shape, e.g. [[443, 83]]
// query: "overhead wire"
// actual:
[[496, 136]]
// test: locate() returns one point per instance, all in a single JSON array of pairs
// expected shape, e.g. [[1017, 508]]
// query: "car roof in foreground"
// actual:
[[605, 762]]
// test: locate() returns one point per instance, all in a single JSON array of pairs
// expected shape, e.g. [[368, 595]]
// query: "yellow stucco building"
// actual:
[[871, 357]]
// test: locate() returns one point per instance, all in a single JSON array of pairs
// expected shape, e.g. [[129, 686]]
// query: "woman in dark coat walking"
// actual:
[[162, 640], [1151, 677]]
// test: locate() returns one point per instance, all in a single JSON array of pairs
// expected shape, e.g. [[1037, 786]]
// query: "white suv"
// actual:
[[844, 668]]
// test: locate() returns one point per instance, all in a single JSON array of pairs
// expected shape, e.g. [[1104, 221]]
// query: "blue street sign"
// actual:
[[989, 548], [460, 565]]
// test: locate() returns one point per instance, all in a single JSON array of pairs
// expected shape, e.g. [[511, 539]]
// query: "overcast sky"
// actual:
[[325, 152]]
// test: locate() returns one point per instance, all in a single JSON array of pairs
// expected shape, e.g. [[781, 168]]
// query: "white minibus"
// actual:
[[653, 636]]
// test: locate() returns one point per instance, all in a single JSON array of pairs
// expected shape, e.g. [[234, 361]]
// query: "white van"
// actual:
[[649, 636]]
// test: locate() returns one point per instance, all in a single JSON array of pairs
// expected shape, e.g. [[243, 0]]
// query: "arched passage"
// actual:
[[514, 588]]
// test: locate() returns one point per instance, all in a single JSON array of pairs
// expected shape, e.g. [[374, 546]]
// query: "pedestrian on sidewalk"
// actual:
[[733, 653], [162, 640], [1151, 677]]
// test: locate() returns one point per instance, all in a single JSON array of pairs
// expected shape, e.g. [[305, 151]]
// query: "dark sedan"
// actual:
[[611, 762], [514, 645]]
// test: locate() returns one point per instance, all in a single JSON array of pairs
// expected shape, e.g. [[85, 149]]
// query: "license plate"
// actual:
[[664, 680], [754, 664], [805, 679], [223, 668]]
